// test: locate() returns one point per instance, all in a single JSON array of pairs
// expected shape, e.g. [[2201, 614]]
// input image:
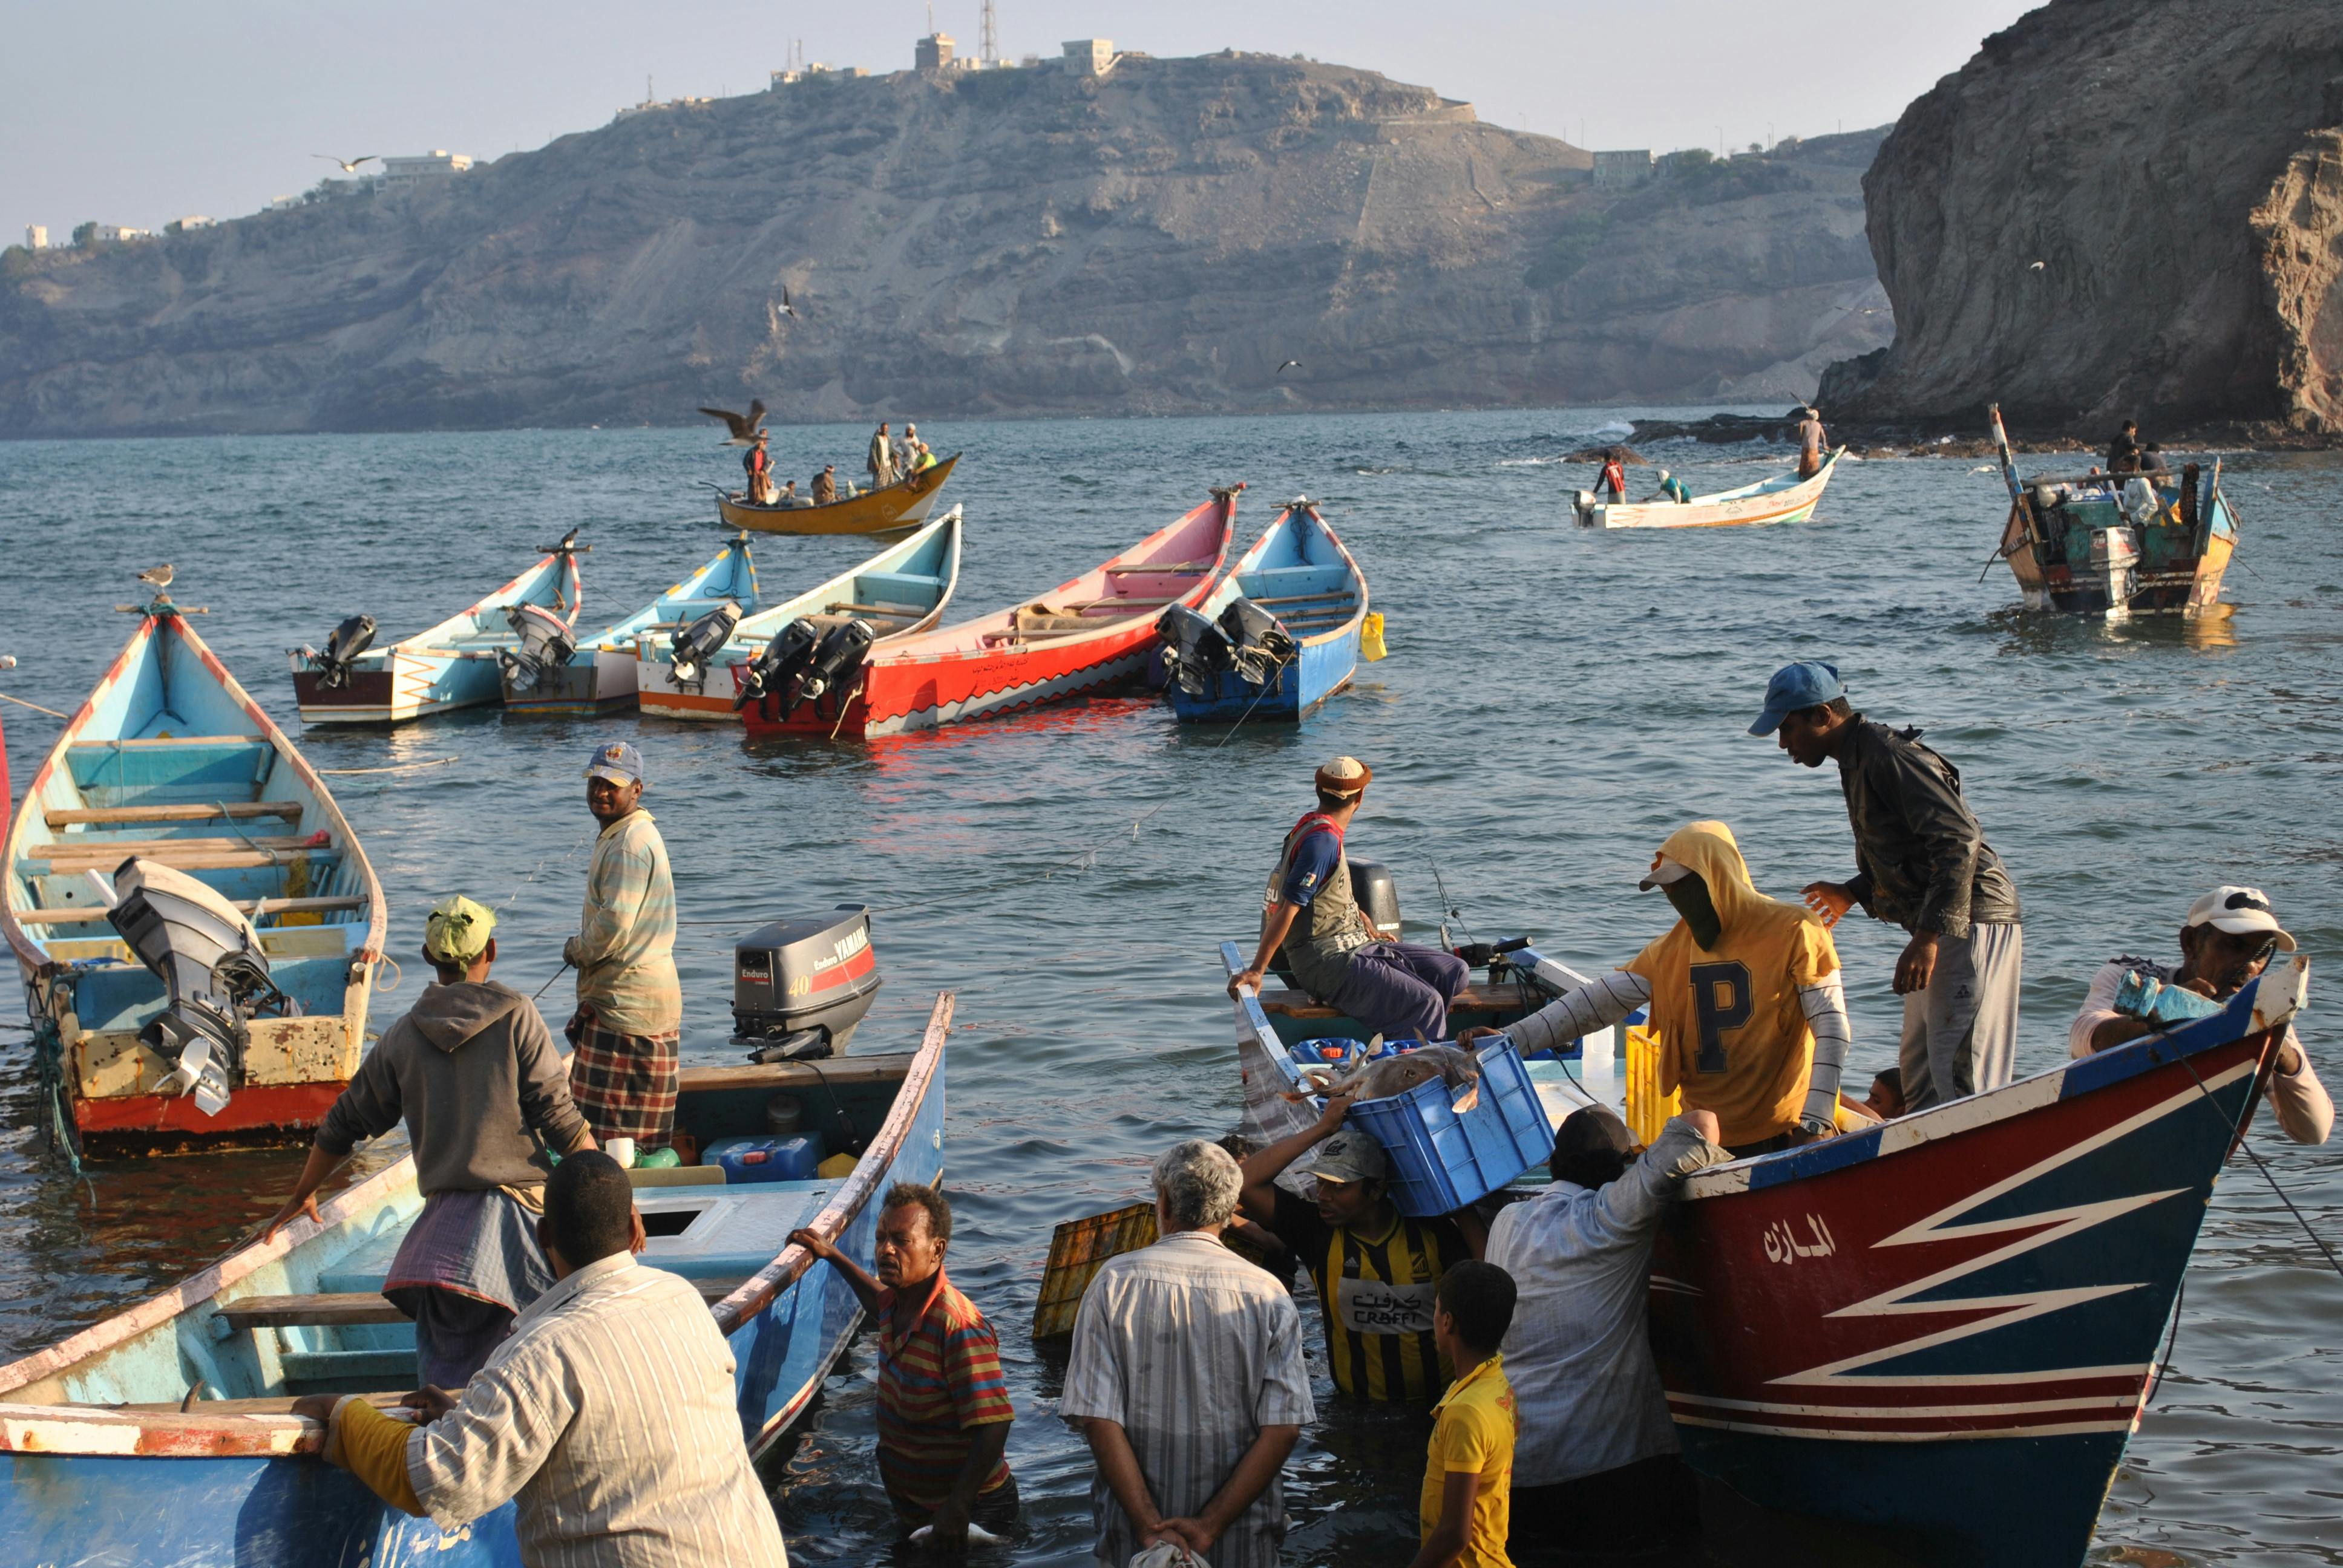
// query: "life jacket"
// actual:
[[1615, 478], [1333, 919]]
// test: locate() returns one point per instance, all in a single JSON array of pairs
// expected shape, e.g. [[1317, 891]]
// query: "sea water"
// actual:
[[1556, 702]]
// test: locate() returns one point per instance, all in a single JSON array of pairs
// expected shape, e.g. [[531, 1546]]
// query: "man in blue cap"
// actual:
[[1921, 863], [628, 1028]]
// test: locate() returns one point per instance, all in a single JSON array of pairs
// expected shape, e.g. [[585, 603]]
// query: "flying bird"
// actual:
[[1289, 365], [2037, 266], [157, 577], [743, 425], [786, 309], [349, 165]]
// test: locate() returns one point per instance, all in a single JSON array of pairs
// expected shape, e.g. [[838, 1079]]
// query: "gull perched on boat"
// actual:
[[157, 577], [348, 166], [743, 425]]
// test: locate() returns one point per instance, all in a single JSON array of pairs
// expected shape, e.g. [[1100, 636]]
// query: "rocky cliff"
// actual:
[[1013, 242], [2118, 207]]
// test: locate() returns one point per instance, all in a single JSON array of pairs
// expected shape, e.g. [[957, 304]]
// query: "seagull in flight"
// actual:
[[1289, 365], [2037, 266], [786, 309], [157, 577], [348, 166], [743, 425]]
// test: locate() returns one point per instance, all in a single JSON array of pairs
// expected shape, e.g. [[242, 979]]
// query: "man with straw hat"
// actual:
[[628, 1028], [474, 1073], [1396, 988]]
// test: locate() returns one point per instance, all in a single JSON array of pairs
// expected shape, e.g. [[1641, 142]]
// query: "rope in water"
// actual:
[[2238, 1131], [33, 706]]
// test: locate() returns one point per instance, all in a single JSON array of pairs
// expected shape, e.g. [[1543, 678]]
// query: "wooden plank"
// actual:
[[281, 1404], [289, 810], [1479, 997], [1082, 604], [34, 866], [253, 907], [114, 850], [352, 1309], [886, 1068], [1166, 567], [171, 740], [896, 611], [1346, 595]]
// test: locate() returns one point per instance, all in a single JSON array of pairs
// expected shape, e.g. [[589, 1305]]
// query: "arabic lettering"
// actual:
[[1782, 1245]]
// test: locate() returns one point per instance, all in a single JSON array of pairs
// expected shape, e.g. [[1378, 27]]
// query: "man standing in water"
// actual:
[[1921, 864], [630, 1017]]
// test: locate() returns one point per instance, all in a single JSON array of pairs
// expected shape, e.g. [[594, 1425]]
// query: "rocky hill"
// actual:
[[2118, 207], [1013, 242]]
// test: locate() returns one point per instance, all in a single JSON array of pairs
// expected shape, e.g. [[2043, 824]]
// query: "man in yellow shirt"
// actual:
[[1466, 1507]]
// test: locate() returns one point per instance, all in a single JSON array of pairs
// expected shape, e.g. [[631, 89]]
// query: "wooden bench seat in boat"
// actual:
[[290, 811], [347, 1309], [155, 740], [256, 908], [1478, 996]]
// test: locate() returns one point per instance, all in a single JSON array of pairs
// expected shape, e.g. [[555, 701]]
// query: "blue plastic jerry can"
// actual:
[[771, 1158]]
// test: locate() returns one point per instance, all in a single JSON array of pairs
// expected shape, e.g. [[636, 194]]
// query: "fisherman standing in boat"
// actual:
[[630, 1017], [1810, 442], [2123, 452], [881, 460], [474, 1073], [1921, 863], [1398, 990], [1612, 484], [2229, 938], [758, 462]]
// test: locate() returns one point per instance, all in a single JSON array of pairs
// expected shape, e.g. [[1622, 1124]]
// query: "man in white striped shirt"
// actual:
[[1187, 1380], [608, 1414]]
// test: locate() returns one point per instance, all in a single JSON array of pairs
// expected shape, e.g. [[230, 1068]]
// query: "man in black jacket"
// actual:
[[1921, 863]]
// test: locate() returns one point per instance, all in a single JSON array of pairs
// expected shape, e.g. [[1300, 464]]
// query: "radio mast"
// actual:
[[988, 37]]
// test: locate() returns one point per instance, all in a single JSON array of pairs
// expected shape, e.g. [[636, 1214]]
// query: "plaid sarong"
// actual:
[[624, 1084]]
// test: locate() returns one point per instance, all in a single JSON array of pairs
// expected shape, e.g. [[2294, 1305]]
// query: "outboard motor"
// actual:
[[212, 968], [837, 659], [699, 642], [350, 639], [1195, 650], [784, 660], [1259, 644], [800, 987], [546, 643]]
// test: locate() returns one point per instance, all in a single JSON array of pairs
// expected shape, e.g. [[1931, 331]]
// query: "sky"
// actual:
[[137, 112]]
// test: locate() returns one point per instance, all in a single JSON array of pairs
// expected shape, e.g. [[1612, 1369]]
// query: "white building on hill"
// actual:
[[437, 164], [1090, 56], [36, 237]]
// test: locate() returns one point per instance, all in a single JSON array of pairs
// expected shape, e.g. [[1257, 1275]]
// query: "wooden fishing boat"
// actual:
[[164, 1433], [1965, 1304], [901, 590], [2118, 545], [452, 664], [599, 672], [891, 508], [170, 761], [1784, 498], [1301, 573], [1087, 635]]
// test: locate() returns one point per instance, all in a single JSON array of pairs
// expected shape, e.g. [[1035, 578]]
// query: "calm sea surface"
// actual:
[[1555, 703]]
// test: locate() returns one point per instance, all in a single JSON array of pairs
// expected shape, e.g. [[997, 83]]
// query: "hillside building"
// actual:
[[36, 237], [1618, 170], [439, 164], [117, 234], [932, 53], [1090, 56], [187, 225]]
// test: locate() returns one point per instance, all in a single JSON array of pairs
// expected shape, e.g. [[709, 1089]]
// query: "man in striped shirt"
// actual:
[[608, 1416], [1187, 1380], [628, 1028], [943, 1402]]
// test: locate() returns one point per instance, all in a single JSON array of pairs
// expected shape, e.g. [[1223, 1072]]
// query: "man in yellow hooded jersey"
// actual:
[[1744, 994]]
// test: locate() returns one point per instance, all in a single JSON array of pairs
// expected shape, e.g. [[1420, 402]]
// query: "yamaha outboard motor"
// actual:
[[696, 644], [836, 660], [800, 986], [1194, 650], [547, 644], [213, 971], [1258, 641], [350, 639], [784, 660]]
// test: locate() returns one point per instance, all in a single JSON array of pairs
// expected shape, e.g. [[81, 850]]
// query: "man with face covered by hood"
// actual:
[[1744, 990]]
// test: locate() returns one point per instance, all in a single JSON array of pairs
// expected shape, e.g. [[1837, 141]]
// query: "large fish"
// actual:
[[1461, 1070]]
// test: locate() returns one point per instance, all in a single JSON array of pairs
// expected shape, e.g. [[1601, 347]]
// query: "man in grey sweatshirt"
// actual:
[[474, 1073]]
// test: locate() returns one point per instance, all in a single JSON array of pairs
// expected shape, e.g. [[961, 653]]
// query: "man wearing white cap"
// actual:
[[628, 1028], [2230, 936], [1398, 990]]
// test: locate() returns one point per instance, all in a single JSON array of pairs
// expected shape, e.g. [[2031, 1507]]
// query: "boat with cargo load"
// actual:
[[1784, 498], [552, 672], [896, 508], [1279, 636], [171, 783]]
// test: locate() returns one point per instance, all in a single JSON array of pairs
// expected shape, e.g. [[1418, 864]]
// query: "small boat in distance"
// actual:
[[1300, 574], [170, 768], [2118, 545], [892, 508], [1784, 498], [1087, 635], [902, 589], [452, 664], [549, 674], [166, 1431]]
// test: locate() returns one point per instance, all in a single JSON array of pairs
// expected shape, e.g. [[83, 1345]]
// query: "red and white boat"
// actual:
[[1084, 636]]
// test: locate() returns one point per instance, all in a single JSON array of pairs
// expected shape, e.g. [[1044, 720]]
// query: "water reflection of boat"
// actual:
[[1784, 498], [2118, 545], [164, 1433], [1889, 1326], [896, 508]]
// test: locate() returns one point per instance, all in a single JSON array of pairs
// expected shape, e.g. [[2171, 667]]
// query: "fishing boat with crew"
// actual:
[[1285, 630], [1092, 634], [2118, 545], [1784, 498], [553, 672], [459, 663], [896, 508], [902, 590], [1886, 1326], [196, 925]]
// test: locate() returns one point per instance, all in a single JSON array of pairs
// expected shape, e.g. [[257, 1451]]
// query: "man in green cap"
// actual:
[[474, 1073]]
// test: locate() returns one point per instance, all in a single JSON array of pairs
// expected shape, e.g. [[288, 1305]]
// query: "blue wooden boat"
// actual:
[[459, 663], [598, 672], [163, 1434], [172, 762], [1945, 1326], [1304, 577]]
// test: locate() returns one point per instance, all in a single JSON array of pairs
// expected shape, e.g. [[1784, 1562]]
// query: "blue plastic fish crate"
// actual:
[[1441, 1160]]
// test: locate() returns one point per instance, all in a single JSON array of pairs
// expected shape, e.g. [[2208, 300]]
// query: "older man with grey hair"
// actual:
[[1187, 1380]]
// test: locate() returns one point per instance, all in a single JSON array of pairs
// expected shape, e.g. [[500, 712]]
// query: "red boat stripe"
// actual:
[[2124, 1401], [1925, 1435], [293, 1106]]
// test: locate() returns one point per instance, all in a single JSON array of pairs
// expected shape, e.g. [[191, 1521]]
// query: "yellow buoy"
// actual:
[[1371, 637]]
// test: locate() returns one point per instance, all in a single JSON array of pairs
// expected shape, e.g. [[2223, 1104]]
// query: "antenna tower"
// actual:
[[988, 36]]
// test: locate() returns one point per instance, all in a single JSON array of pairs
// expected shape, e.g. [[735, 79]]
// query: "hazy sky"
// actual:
[[138, 111]]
